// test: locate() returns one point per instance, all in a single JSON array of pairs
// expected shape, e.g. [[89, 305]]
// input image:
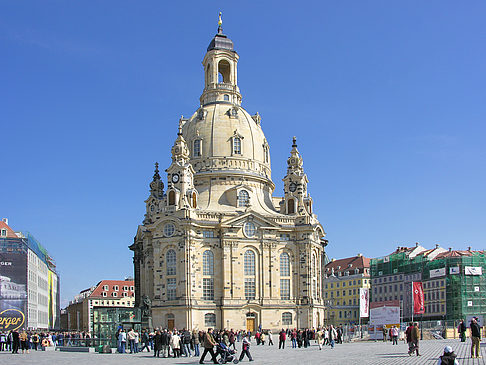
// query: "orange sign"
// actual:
[[11, 319]]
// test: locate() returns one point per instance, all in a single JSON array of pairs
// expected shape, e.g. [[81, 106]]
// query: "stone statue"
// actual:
[[146, 306]]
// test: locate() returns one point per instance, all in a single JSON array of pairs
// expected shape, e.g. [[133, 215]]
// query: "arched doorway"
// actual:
[[250, 322], [170, 321]]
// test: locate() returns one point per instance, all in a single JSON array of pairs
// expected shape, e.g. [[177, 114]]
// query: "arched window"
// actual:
[[172, 197], [194, 200], [171, 262], [226, 97], [224, 71], [197, 148], [291, 206], [237, 146], [210, 320], [249, 264], [286, 318], [243, 198], [284, 276], [314, 276], [249, 272], [208, 74], [284, 264], [208, 263], [208, 272]]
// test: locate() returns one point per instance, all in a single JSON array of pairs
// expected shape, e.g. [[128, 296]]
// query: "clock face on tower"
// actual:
[[175, 178], [292, 187]]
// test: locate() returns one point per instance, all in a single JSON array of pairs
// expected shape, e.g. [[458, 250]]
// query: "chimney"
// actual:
[[436, 245], [359, 255], [469, 248], [5, 220], [450, 249], [416, 244]]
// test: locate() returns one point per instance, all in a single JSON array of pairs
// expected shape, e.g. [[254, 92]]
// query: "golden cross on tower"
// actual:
[[220, 21]]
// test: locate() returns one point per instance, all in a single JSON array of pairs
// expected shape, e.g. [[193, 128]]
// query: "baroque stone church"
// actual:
[[216, 248]]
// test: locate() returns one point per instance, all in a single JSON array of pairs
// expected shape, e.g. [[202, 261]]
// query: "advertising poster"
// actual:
[[364, 302], [13, 290], [473, 270], [436, 273], [384, 314], [418, 298]]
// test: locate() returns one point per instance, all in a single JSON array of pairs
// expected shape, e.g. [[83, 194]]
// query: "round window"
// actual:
[[249, 229], [169, 229]]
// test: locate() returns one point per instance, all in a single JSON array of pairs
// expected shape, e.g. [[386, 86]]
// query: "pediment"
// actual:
[[256, 218]]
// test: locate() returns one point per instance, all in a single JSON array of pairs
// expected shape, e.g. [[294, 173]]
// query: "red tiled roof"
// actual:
[[99, 290], [10, 231], [356, 262], [455, 253]]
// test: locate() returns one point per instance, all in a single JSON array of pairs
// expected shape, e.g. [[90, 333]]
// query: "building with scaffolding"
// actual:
[[454, 287], [29, 282]]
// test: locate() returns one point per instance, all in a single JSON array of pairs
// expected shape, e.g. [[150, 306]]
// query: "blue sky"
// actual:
[[387, 100]]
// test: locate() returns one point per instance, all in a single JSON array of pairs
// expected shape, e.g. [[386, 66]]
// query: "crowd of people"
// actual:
[[23, 340]]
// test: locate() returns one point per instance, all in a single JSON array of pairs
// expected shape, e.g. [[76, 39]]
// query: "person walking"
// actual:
[[448, 358], [157, 339], [15, 342], [195, 342], [208, 344], [145, 341], [462, 331], [245, 349], [270, 338], [384, 331], [320, 338], [175, 344], [394, 335], [122, 337], [282, 336], [332, 336], [475, 338], [408, 337], [415, 336]]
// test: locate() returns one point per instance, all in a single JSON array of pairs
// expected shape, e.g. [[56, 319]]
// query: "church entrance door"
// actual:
[[250, 324], [170, 324]]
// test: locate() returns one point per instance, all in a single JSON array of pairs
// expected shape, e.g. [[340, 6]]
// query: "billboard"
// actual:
[[437, 273], [384, 314], [13, 290], [364, 303]]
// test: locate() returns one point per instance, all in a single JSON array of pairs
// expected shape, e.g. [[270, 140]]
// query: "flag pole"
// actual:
[[412, 301]]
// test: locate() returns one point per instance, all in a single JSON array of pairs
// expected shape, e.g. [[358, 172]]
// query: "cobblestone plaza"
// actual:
[[376, 353]]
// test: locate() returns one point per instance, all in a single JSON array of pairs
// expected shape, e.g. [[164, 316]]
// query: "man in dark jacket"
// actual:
[[157, 343], [208, 344], [15, 342], [186, 342], [281, 339], [164, 343], [475, 338], [415, 336], [462, 331]]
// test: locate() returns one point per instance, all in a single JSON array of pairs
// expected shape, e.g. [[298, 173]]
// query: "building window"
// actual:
[[226, 97], [243, 198], [208, 263], [169, 229], [208, 234], [250, 289], [171, 262], [114, 294], [172, 197], [249, 263], [285, 237], [104, 294], [208, 289], [284, 264], [115, 287], [291, 206], [285, 289], [210, 320], [286, 318], [4, 233], [249, 229], [197, 148], [237, 146], [171, 288]]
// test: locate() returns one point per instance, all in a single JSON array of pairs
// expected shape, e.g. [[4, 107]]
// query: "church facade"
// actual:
[[216, 248]]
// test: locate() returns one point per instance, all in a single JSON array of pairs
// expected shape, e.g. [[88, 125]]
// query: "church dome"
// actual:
[[225, 137]]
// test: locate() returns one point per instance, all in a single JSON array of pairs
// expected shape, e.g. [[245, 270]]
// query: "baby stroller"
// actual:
[[226, 354]]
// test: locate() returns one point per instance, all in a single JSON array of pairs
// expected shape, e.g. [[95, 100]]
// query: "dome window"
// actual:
[[249, 229], [243, 198], [224, 72], [172, 197], [237, 146], [291, 206], [169, 230], [197, 148], [226, 97]]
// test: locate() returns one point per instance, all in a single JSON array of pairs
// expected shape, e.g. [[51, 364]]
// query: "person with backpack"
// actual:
[[186, 342]]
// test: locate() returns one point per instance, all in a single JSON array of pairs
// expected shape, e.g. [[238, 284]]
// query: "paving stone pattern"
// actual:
[[376, 353]]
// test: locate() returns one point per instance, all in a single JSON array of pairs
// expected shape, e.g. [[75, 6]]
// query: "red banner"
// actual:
[[418, 298]]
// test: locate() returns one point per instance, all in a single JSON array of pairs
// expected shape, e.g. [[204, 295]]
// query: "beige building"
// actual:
[[217, 249]]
